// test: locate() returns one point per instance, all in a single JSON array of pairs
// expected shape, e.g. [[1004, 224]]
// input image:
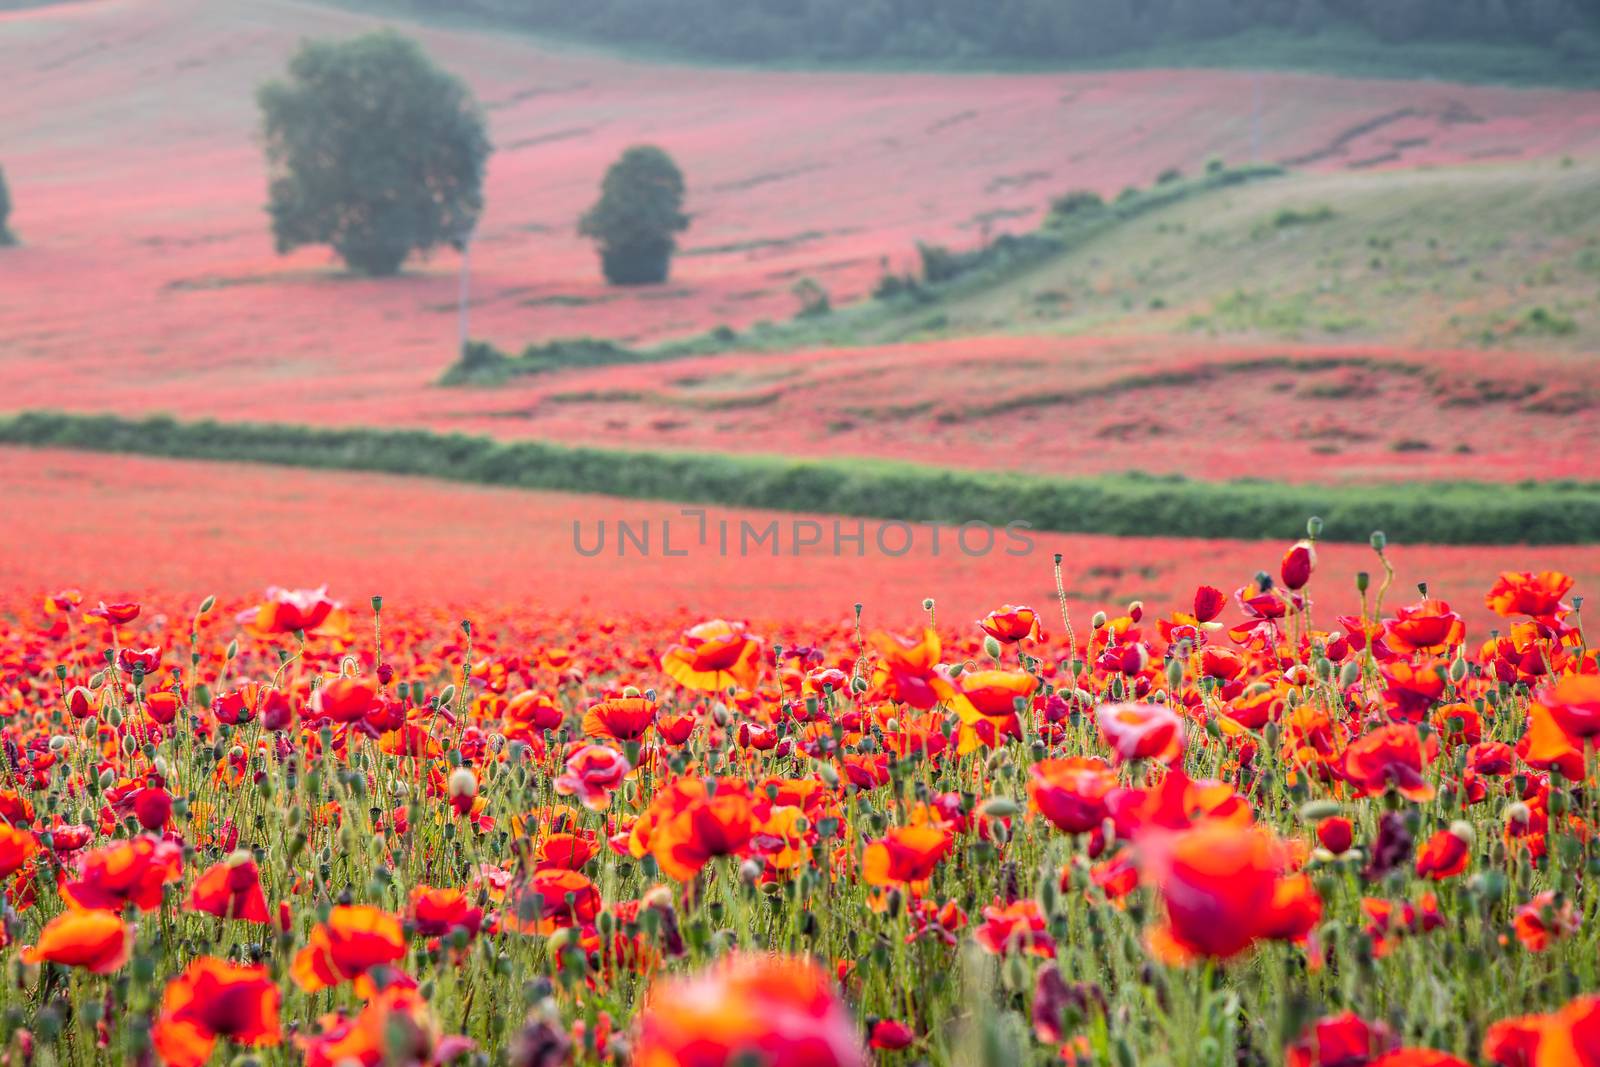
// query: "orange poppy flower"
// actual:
[[1525, 593], [781, 1008], [98, 941], [1020, 925], [1071, 793], [128, 872], [214, 999], [231, 890], [1573, 701], [1391, 755], [701, 830], [17, 847], [623, 719], [355, 939], [345, 699], [714, 656], [1142, 731], [1418, 1057], [1429, 627], [1010, 624], [905, 856], [1571, 1036], [905, 672], [119, 614], [988, 694]]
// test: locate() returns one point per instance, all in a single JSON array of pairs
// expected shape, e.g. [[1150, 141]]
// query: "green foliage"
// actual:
[[483, 364], [1561, 33], [6, 236], [1130, 504], [1541, 321], [639, 211], [373, 150]]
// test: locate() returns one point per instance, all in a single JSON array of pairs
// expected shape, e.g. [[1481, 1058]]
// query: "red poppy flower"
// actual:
[[593, 773], [128, 872], [1412, 689], [701, 830], [436, 912], [394, 1028], [892, 1036], [1571, 1036], [1010, 624], [1391, 755], [1429, 627], [1514, 1042], [1336, 834], [1018, 926], [345, 699], [355, 939], [1072, 792], [1223, 890], [231, 890], [780, 1009], [287, 610], [550, 900], [214, 999], [714, 656], [1297, 565], [1208, 603], [1541, 922], [1142, 731], [1345, 1040], [1444, 855], [118, 614], [623, 719], [98, 941]]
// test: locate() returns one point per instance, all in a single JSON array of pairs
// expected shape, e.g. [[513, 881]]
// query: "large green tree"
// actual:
[[639, 212], [374, 150]]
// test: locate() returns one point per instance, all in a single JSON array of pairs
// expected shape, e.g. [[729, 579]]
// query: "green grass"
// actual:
[[1130, 504], [1500, 255]]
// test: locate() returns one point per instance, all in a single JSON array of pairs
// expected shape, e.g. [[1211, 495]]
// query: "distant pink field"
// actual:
[[148, 278], [118, 525]]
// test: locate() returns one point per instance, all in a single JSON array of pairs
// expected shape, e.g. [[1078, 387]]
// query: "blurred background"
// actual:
[[1160, 279]]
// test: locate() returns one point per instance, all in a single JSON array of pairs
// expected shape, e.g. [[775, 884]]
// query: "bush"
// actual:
[[6, 236], [372, 150], [814, 300], [1078, 202], [639, 211]]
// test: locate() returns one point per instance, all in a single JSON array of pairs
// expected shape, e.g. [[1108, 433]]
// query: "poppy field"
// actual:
[[1233, 829]]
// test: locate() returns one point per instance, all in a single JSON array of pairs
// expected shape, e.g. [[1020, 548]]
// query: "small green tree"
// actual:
[[639, 210], [6, 236], [374, 150]]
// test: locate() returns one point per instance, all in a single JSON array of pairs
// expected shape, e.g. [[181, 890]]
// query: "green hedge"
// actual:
[[1131, 504]]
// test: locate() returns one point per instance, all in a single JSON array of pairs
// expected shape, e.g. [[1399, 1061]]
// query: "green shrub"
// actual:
[[373, 150], [639, 211], [6, 236]]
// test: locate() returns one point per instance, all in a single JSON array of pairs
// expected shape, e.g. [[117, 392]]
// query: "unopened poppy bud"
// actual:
[[999, 808], [207, 604], [1098, 620], [1175, 673], [58, 743], [1517, 814], [630, 691], [463, 783], [385, 673], [107, 778], [927, 603], [1379, 541], [1317, 810], [1314, 526], [447, 696], [129, 745], [1136, 610], [1349, 674], [1363, 581], [1458, 669], [233, 648], [991, 647]]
